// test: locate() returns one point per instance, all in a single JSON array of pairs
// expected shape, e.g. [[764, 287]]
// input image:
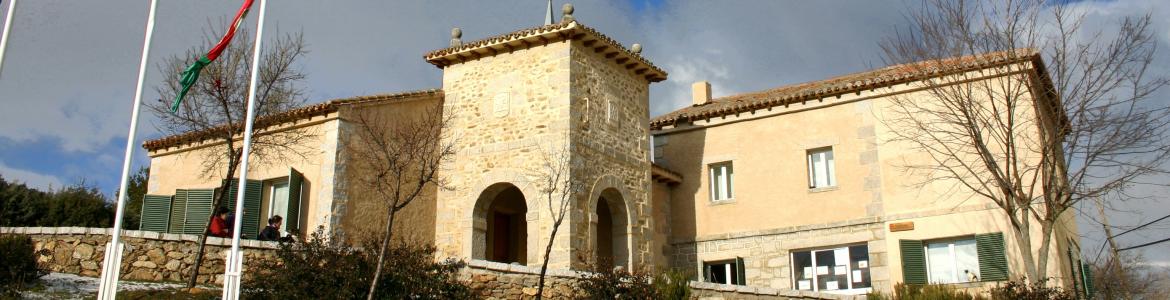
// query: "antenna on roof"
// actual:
[[548, 16]]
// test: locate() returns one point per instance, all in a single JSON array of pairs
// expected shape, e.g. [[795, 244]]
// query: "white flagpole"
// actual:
[[113, 260], [234, 262], [7, 31]]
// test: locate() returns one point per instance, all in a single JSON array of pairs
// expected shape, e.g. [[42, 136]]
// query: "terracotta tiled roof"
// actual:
[[536, 36], [304, 112], [840, 85]]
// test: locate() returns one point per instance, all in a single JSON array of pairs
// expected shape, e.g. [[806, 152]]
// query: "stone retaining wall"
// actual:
[[492, 280], [148, 256]]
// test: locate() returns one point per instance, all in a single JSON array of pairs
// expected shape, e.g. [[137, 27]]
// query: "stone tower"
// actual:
[[556, 95]]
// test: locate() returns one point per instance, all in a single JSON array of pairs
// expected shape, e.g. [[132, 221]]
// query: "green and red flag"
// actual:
[[191, 74]]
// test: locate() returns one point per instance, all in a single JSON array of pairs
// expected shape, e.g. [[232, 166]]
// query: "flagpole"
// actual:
[[113, 259], [234, 262], [7, 31]]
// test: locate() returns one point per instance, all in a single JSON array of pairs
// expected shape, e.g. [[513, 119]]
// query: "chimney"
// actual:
[[701, 93]]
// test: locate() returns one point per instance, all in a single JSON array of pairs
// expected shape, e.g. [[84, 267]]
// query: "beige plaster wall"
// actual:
[[184, 168], [360, 209], [975, 220], [771, 178]]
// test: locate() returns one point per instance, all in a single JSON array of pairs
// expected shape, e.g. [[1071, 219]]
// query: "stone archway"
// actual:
[[611, 230], [500, 225]]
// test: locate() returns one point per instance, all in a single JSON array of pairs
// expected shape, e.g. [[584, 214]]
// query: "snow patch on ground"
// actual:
[[70, 286]]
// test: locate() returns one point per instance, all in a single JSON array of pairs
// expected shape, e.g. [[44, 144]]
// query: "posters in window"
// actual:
[[831, 285]]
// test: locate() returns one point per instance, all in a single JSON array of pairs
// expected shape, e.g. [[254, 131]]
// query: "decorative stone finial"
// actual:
[[636, 48], [567, 9], [456, 33]]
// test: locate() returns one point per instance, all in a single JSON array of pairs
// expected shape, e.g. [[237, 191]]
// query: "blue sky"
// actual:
[[69, 74]]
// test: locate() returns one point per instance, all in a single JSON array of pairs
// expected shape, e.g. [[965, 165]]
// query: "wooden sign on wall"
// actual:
[[901, 226]]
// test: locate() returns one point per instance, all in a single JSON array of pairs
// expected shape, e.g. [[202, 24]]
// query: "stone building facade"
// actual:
[[793, 188]]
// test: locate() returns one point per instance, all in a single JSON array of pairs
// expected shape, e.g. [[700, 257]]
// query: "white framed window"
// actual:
[[952, 261], [835, 270], [725, 272], [821, 170], [722, 180], [278, 204]]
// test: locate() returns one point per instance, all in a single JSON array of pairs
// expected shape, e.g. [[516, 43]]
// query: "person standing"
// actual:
[[219, 225], [272, 231]]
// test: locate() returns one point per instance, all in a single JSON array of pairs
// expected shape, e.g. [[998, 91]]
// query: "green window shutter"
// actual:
[[739, 272], [993, 265], [178, 212], [1087, 279], [252, 216], [198, 210], [913, 262], [252, 197], [156, 213], [292, 216]]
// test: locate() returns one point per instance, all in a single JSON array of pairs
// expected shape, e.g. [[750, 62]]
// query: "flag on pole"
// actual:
[[191, 74]]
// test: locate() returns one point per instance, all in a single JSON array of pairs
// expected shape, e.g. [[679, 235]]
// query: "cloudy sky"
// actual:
[[68, 78]]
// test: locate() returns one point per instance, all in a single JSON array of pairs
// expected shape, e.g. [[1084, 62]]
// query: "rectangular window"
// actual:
[[843, 269], [278, 202], [821, 171], [954, 261], [721, 181], [724, 272]]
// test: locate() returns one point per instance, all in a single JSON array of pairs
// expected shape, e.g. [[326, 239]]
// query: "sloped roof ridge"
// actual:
[[839, 85], [438, 57], [294, 114]]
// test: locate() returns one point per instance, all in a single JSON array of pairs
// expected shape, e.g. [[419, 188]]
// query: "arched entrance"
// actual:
[[501, 231], [612, 234]]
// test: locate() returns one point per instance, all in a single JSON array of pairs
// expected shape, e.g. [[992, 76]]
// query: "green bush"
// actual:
[[924, 292], [1011, 290], [618, 283], [1014, 290], [18, 265], [673, 285], [320, 269]]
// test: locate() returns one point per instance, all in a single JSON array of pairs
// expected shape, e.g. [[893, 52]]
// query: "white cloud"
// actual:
[[32, 179]]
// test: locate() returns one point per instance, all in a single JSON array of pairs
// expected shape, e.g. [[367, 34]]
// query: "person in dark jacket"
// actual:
[[272, 231]]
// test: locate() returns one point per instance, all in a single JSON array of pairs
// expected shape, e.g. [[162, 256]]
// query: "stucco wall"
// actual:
[[873, 183], [185, 168], [360, 209]]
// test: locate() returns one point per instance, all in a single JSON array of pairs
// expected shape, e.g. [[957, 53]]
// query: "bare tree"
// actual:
[[398, 153], [558, 189], [1130, 277], [1036, 142], [216, 106]]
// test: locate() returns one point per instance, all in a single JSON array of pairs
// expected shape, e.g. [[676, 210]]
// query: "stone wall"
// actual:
[[610, 139], [148, 256], [509, 113], [766, 254], [492, 280]]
